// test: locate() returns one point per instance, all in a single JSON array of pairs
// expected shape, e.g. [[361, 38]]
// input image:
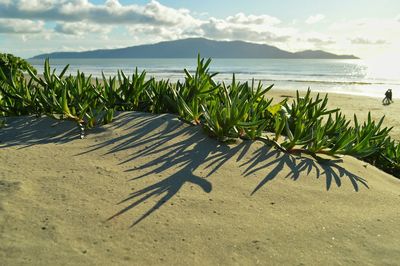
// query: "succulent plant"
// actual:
[[225, 111]]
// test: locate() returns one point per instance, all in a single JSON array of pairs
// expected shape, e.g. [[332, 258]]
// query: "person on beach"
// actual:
[[388, 97]]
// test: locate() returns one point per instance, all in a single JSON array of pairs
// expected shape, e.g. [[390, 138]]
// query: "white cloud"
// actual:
[[237, 27], [320, 42], [315, 19], [316, 38], [168, 15], [112, 12], [65, 48], [367, 37], [20, 26], [264, 20], [366, 41], [81, 28], [249, 28], [156, 33], [114, 24], [310, 41], [34, 5]]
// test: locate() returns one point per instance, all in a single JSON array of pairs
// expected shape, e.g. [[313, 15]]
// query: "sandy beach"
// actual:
[[353, 104], [150, 190]]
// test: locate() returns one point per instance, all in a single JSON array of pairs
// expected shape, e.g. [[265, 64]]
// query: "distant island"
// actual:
[[189, 48]]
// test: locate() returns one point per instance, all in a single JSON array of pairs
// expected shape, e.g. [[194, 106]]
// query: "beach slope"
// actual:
[[149, 189]]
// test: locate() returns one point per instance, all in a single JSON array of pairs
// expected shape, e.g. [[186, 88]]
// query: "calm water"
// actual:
[[356, 77]]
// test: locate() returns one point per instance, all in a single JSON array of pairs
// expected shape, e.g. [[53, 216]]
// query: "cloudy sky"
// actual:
[[364, 28]]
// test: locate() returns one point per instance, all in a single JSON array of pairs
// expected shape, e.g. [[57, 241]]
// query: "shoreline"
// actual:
[[361, 90], [356, 77]]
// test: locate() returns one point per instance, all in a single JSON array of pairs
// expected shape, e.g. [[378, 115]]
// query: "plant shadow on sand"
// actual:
[[170, 146], [166, 143], [27, 131]]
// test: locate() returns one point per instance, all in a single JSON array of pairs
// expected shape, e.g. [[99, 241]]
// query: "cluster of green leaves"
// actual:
[[83, 99], [389, 159], [236, 111], [302, 123], [225, 111], [12, 71], [310, 127], [195, 92], [11, 65]]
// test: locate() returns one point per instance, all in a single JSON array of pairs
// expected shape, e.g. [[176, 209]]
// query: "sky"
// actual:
[[368, 29]]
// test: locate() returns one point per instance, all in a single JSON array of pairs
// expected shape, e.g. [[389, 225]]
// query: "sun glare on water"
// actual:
[[386, 67]]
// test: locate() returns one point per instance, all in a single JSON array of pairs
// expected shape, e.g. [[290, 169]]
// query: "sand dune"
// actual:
[[149, 189]]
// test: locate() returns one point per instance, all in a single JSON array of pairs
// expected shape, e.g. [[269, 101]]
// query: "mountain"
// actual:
[[318, 54], [189, 48]]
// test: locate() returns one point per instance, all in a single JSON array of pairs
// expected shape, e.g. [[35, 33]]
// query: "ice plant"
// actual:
[[227, 111]]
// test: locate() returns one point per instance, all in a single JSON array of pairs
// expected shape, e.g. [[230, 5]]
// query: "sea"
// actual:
[[354, 77]]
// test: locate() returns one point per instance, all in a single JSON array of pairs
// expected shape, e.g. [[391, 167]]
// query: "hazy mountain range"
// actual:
[[189, 48]]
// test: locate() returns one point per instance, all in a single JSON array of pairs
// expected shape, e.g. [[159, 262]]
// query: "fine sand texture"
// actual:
[[148, 190]]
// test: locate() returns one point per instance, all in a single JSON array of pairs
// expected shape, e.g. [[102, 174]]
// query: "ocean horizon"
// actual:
[[344, 76]]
